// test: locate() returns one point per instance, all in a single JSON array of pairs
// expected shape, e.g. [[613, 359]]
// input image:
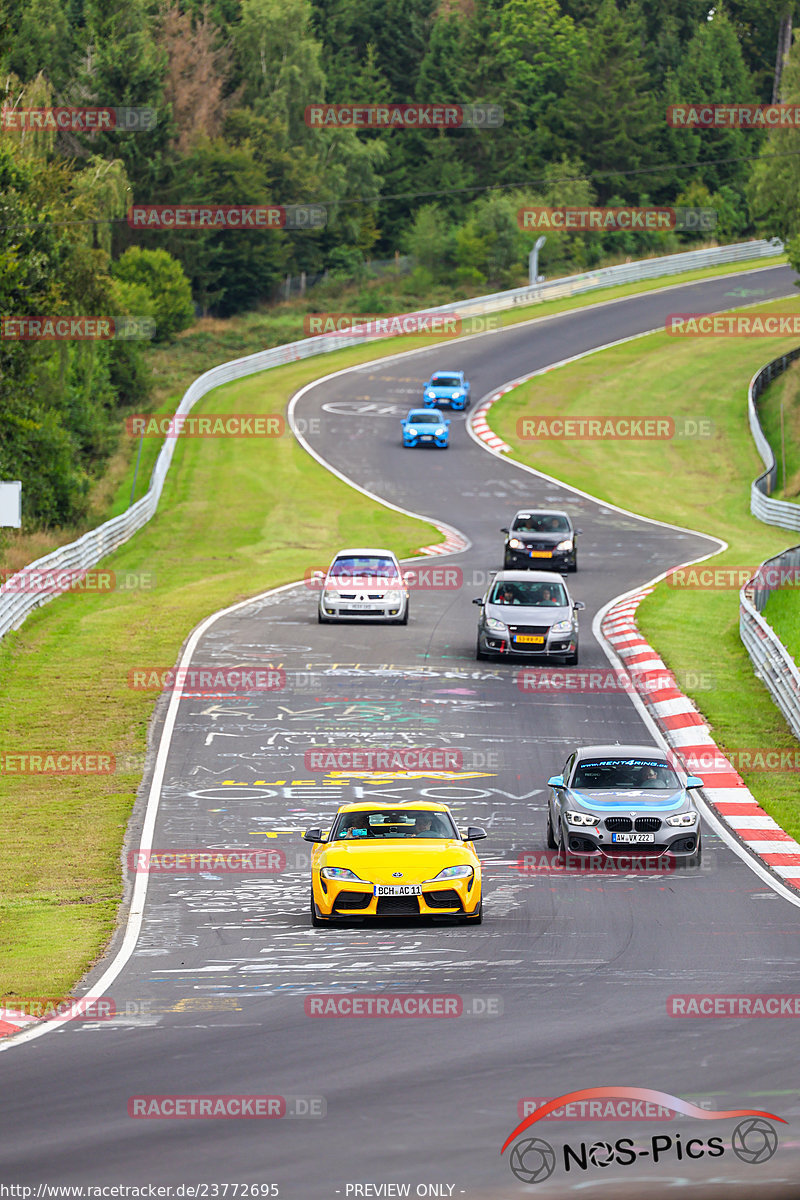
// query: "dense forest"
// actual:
[[584, 87]]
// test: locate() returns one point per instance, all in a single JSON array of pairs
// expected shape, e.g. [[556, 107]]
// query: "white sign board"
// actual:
[[11, 504]]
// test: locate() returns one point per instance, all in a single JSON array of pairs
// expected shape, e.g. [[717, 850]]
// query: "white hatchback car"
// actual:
[[364, 584]]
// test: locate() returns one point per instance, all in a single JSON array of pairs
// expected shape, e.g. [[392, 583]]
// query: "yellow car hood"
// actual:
[[376, 861]]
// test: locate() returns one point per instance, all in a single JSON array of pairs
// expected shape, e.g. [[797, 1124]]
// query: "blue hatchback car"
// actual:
[[447, 387], [425, 428]]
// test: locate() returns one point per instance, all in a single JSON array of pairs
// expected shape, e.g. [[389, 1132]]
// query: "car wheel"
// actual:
[[696, 859], [552, 844], [315, 920], [561, 848], [574, 566], [481, 655], [404, 619], [320, 619]]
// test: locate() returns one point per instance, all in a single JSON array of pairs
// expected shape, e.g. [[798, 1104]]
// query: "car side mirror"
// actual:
[[314, 835], [474, 833], [555, 781], [579, 531], [478, 601], [578, 604], [503, 529], [694, 781]]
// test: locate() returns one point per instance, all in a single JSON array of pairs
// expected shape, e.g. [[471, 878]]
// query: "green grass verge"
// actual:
[[782, 431], [702, 483]]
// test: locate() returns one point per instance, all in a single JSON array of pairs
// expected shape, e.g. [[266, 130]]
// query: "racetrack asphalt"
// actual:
[[568, 977]]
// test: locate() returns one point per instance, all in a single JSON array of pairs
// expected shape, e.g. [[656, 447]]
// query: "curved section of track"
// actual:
[[569, 976]]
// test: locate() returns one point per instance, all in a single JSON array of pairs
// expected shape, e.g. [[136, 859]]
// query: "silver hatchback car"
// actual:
[[612, 800], [364, 584], [528, 613]]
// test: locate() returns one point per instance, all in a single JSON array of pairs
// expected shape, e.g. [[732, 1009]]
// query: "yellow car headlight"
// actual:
[[463, 872], [340, 873]]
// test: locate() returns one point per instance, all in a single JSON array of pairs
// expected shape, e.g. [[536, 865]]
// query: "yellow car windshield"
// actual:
[[386, 823]]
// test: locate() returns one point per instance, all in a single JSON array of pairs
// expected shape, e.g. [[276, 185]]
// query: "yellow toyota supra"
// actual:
[[407, 860]]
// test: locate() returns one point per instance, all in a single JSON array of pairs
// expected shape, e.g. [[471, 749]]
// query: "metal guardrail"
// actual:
[[783, 513], [772, 662], [18, 597]]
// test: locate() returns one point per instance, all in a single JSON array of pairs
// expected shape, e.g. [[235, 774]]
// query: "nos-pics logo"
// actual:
[[532, 1159]]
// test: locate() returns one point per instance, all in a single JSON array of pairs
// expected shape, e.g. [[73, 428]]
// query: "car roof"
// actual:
[[369, 805], [418, 412], [541, 512], [363, 550], [622, 752], [529, 577]]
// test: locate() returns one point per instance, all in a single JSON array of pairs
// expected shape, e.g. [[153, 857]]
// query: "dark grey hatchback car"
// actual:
[[530, 614]]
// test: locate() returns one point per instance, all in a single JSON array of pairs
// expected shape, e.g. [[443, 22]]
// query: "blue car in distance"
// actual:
[[447, 387], [425, 428]]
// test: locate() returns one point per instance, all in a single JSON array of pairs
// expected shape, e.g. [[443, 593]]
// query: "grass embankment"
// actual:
[[783, 607], [702, 483], [226, 529]]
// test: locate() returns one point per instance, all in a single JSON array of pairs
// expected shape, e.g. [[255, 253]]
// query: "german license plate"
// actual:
[[529, 639], [541, 553], [399, 889], [633, 837]]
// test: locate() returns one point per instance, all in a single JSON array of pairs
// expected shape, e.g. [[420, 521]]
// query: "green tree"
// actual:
[[609, 112], [163, 279]]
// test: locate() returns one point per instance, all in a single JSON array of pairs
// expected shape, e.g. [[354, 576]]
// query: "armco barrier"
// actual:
[[88, 550], [772, 512], [771, 660]]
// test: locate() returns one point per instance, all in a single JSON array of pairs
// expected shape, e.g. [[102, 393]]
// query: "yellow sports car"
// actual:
[[399, 861]]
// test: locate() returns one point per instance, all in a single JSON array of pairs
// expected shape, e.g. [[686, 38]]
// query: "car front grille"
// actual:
[[530, 630], [619, 824], [446, 898], [398, 906], [647, 824], [352, 900]]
